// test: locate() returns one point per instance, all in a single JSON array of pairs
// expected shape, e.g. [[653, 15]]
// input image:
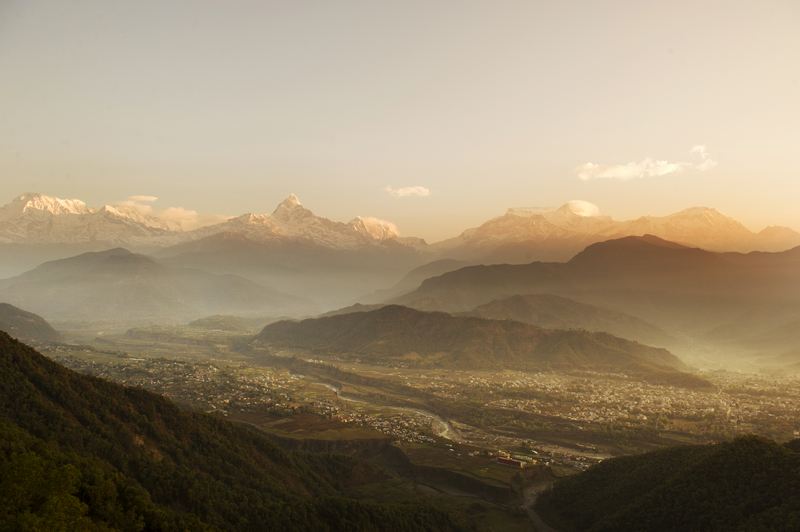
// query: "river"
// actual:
[[441, 427]]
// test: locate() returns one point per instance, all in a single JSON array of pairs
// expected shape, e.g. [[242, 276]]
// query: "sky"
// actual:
[[436, 115]]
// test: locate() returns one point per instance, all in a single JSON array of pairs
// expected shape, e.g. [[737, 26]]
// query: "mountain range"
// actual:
[[556, 312], [332, 263], [118, 285], [689, 291], [521, 235]]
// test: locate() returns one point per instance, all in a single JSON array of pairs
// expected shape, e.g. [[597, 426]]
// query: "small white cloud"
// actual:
[[188, 219], [583, 208], [706, 162], [143, 198], [406, 192], [176, 218], [645, 168]]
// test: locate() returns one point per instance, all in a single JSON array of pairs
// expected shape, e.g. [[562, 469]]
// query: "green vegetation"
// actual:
[[746, 484], [81, 453]]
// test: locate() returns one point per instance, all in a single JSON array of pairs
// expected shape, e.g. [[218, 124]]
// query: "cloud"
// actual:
[[188, 219], [706, 162], [176, 218], [583, 208], [143, 198], [406, 192], [646, 167]]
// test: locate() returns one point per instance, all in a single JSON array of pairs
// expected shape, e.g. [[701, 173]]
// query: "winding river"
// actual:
[[441, 427]]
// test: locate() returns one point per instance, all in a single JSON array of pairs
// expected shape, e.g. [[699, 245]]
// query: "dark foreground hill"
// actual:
[[400, 335], [747, 484], [26, 325], [80, 453]]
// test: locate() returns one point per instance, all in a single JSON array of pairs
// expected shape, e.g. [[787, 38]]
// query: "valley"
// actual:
[[567, 420]]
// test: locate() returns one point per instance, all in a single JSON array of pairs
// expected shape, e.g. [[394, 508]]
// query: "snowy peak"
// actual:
[[132, 214], [704, 215], [291, 210], [291, 201], [35, 204], [374, 228], [36, 218], [292, 221]]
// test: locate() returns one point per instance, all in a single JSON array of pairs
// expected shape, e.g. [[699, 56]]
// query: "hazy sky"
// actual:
[[227, 107]]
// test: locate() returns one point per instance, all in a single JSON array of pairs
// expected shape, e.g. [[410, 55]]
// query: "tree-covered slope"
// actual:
[[79, 453], [747, 484]]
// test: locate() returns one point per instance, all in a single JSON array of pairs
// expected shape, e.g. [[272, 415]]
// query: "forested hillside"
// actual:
[[81, 453]]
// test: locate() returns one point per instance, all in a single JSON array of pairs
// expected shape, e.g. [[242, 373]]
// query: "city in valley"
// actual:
[[567, 420]]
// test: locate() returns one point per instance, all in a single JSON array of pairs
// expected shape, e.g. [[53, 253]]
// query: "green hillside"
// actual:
[[747, 484], [81, 453]]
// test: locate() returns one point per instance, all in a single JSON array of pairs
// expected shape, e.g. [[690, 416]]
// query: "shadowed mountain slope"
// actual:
[[400, 335], [681, 288], [117, 284], [25, 325], [556, 312]]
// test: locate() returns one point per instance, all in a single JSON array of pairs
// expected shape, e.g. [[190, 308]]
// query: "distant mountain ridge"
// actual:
[[120, 285], [400, 335], [522, 235], [553, 234], [557, 312], [337, 263], [680, 289]]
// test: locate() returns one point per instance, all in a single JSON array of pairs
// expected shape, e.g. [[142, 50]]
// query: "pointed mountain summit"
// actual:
[[293, 222]]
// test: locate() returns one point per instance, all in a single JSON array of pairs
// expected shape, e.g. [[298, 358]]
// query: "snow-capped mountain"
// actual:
[[34, 205], [702, 227], [520, 235], [292, 221], [38, 219], [525, 235]]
